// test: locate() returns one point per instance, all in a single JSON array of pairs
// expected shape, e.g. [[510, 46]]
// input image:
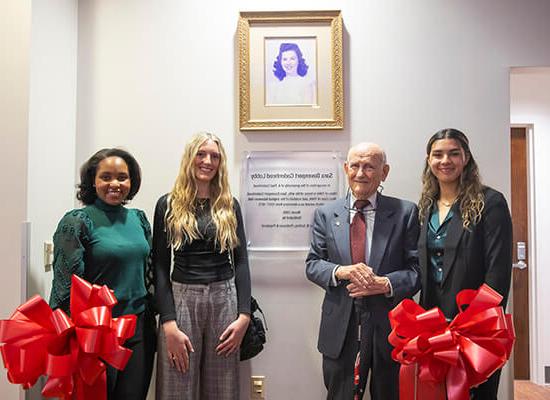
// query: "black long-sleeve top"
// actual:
[[198, 262]]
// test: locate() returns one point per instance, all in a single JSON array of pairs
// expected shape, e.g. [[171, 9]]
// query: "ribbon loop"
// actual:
[[461, 354], [38, 341]]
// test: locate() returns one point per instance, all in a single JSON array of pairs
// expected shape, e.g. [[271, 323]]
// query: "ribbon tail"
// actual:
[[59, 388], [407, 382], [411, 387], [95, 391], [458, 386]]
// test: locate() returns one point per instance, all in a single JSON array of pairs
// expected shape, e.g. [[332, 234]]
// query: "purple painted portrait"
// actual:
[[290, 79]]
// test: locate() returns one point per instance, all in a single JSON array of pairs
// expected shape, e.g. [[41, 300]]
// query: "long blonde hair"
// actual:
[[181, 221], [470, 189]]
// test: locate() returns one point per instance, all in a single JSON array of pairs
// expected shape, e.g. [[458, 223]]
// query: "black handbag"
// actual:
[[254, 338]]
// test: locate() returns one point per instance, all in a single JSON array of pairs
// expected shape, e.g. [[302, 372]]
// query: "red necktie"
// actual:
[[358, 240], [358, 233]]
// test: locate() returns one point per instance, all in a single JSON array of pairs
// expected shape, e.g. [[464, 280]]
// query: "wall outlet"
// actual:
[[48, 256], [257, 387]]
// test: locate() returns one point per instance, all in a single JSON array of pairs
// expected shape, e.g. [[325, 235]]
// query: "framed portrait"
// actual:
[[290, 70]]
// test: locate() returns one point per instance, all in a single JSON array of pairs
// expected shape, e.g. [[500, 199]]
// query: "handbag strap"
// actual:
[[254, 306]]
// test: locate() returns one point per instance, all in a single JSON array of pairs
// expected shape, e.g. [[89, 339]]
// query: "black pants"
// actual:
[[487, 390], [375, 359], [133, 382], [338, 372]]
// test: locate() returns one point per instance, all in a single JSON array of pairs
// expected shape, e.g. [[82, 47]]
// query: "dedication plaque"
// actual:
[[280, 192]]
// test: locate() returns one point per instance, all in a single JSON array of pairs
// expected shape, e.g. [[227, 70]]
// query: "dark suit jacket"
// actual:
[[482, 254], [393, 254]]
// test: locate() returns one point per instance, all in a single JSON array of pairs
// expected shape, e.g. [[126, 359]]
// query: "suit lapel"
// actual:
[[454, 234], [340, 229], [384, 224]]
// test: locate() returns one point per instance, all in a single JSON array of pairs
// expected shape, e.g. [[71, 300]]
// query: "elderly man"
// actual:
[[363, 247]]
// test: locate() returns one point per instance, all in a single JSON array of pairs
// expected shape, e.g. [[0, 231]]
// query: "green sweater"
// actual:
[[106, 245]]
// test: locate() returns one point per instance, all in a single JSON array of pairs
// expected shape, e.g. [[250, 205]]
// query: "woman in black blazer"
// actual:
[[466, 232]]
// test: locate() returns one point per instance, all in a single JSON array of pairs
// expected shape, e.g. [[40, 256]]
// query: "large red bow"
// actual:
[[38, 341], [462, 354]]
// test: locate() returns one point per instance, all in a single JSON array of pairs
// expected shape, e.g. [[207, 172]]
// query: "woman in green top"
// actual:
[[465, 233], [109, 244]]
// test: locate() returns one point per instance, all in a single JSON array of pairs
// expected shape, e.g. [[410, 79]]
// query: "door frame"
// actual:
[[535, 371]]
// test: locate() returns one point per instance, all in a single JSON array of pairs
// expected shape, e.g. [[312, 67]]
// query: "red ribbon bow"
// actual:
[[462, 354], [38, 341]]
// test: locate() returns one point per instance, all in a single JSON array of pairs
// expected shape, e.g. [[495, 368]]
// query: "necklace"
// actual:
[[202, 203], [446, 204]]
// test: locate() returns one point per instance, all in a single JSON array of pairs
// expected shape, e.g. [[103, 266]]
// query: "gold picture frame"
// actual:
[[290, 70]]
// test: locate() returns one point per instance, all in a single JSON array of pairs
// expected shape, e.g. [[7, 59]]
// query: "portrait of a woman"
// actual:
[[294, 82]]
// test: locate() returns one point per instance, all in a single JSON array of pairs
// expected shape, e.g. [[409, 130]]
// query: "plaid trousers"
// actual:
[[203, 312]]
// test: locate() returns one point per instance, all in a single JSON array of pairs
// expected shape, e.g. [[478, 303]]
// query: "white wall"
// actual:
[[38, 114], [151, 74], [51, 133], [530, 104], [52, 127], [15, 21]]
